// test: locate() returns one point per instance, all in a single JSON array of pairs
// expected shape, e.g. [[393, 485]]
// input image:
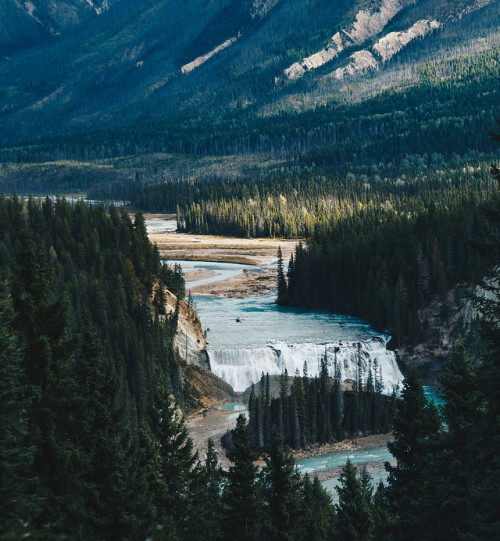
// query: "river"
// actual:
[[251, 335]]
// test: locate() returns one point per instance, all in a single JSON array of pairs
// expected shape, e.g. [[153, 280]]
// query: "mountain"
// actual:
[[166, 61], [25, 23]]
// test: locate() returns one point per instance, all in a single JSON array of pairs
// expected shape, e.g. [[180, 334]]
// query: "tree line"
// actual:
[[87, 357], [318, 409], [393, 123], [88, 452], [384, 266]]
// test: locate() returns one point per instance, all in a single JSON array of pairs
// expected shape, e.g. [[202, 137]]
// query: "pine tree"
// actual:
[[206, 509], [354, 514], [381, 514], [282, 490], [17, 503], [318, 513], [242, 497], [486, 436], [175, 462], [454, 464], [337, 402], [417, 429], [282, 297]]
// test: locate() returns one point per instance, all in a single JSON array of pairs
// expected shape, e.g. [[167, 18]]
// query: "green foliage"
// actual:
[[243, 494], [354, 511], [82, 355], [282, 490], [175, 465], [17, 503], [317, 521], [316, 410], [417, 429], [383, 265]]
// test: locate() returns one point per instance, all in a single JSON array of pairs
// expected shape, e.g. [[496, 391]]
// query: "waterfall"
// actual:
[[240, 367]]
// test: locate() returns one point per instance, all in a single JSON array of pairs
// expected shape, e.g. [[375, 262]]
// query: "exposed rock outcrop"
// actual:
[[367, 24], [205, 388], [197, 62], [393, 42], [443, 321], [189, 342]]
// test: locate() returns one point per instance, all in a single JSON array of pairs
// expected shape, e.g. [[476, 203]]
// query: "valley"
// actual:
[[271, 223], [247, 335]]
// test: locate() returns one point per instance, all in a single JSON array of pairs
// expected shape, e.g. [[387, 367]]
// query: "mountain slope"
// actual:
[[160, 59], [24, 23]]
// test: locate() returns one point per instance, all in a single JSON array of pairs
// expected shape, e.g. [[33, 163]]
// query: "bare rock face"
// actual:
[[442, 321], [368, 23], [189, 342], [205, 388]]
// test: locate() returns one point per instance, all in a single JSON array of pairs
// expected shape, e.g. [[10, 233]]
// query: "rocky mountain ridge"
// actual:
[[146, 61]]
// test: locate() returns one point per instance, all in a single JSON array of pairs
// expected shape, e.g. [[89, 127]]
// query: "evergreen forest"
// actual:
[[375, 158], [318, 410], [86, 453]]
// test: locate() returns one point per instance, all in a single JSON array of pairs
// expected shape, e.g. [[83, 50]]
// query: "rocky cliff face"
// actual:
[[190, 343], [443, 321], [203, 387]]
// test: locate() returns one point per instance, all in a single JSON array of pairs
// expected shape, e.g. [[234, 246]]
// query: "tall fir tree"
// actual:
[[282, 297], [417, 429], [243, 494], [18, 505], [282, 490], [354, 518]]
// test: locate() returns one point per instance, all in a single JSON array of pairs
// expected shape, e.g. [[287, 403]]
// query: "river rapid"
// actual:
[[250, 336]]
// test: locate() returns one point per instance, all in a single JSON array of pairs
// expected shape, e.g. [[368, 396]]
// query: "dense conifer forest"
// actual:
[[383, 175], [318, 410], [87, 453], [385, 266]]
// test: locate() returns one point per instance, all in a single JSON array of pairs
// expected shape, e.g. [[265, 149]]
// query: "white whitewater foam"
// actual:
[[240, 367]]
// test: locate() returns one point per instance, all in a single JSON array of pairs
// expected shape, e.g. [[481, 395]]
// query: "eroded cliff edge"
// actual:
[[202, 386]]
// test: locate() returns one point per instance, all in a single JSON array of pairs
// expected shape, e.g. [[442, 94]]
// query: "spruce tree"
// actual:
[[175, 462], [282, 491], [282, 297], [417, 429], [206, 508], [317, 522], [17, 503], [454, 464], [243, 494], [354, 518], [486, 434]]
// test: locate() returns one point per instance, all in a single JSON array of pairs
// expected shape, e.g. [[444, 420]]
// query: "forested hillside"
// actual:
[[86, 454], [126, 78], [359, 127], [85, 356], [384, 266], [387, 262]]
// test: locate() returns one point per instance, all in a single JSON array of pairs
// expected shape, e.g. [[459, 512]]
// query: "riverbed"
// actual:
[[248, 334]]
